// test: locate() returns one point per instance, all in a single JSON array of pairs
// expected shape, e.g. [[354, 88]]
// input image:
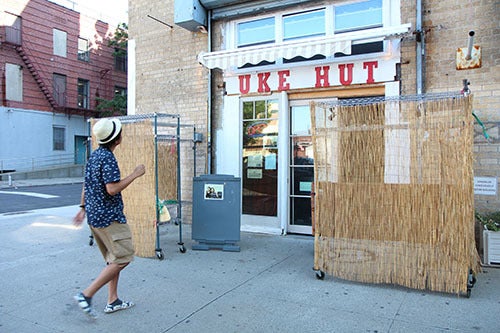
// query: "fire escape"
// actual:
[[12, 37]]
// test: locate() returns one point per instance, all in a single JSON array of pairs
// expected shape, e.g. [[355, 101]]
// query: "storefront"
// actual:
[[273, 67]]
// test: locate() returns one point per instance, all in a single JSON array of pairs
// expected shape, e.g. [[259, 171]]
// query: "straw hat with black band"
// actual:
[[105, 130]]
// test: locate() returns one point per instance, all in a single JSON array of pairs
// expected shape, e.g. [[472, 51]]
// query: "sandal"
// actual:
[[122, 305], [84, 304]]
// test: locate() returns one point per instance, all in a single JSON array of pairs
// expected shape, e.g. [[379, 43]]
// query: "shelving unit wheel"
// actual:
[[182, 249], [320, 275], [159, 254]]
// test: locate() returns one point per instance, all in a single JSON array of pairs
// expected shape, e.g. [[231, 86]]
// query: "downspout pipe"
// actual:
[[420, 35], [209, 103]]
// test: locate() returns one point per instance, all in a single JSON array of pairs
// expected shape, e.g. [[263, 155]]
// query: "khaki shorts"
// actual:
[[115, 243]]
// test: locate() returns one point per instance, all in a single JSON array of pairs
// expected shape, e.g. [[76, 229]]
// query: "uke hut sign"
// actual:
[[322, 76]]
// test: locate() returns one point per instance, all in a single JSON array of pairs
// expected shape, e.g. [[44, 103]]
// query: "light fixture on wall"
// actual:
[[202, 29], [469, 57]]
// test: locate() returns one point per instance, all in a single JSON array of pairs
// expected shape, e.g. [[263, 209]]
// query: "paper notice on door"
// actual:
[[271, 162], [255, 161], [254, 173]]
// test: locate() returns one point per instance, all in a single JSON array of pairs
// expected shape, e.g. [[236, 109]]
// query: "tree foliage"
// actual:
[[119, 41], [117, 105], [112, 107]]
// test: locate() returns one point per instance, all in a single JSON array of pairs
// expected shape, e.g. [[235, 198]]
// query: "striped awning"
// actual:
[[326, 46]]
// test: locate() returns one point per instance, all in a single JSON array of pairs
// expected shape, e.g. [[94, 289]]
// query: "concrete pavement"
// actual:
[[269, 286]]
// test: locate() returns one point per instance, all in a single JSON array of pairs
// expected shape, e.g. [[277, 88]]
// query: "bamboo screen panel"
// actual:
[[139, 198], [394, 192]]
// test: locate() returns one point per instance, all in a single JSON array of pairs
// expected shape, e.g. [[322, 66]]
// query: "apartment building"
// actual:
[[54, 65], [236, 68]]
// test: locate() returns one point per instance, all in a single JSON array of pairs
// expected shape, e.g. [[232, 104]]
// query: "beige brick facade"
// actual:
[[170, 79]]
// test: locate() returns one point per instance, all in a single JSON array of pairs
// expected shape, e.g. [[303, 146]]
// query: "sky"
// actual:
[[109, 11]]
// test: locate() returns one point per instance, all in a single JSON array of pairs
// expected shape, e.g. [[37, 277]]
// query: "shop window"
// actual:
[[59, 42], [256, 32], [83, 93], [83, 50], [58, 137], [305, 24], [358, 16], [13, 82]]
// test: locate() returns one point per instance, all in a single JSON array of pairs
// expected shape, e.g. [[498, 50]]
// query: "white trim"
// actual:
[[283, 169], [131, 77]]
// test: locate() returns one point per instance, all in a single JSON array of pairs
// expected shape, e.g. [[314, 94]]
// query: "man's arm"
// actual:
[[117, 187]]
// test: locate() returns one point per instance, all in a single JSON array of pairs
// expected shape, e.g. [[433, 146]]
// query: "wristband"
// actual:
[[82, 206]]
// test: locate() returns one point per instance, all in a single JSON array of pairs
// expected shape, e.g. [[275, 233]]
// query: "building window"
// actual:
[[256, 32], [120, 60], [13, 30], [13, 82], [341, 17], [83, 49], [358, 16], [59, 41], [59, 86], [83, 93], [306, 24], [120, 91], [58, 137]]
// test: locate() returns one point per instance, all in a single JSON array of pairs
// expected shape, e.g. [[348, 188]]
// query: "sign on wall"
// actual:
[[319, 76], [485, 186]]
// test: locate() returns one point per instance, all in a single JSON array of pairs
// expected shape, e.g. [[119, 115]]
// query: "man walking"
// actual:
[[102, 203]]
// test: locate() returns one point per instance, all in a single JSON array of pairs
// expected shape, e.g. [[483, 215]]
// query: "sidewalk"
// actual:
[[38, 182], [267, 287]]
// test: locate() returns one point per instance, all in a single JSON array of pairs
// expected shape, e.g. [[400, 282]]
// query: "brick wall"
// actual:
[[446, 25], [39, 18], [169, 78]]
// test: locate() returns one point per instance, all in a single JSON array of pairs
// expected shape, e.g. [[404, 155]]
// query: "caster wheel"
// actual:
[[468, 293], [320, 275], [182, 249], [159, 255], [91, 240]]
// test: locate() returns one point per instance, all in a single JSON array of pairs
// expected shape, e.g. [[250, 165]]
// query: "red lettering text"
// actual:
[[342, 78], [282, 84], [263, 86], [370, 65], [244, 84], [322, 76]]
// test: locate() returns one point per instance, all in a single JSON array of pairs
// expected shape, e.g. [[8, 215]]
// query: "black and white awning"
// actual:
[[326, 46]]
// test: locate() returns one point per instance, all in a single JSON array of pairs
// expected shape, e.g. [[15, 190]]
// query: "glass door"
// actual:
[[260, 158], [301, 169]]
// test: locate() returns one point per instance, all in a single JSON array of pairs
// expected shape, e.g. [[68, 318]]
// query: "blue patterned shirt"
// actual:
[[102, 209]]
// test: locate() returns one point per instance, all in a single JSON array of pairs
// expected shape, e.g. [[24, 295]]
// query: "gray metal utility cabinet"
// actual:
[[216, 212]]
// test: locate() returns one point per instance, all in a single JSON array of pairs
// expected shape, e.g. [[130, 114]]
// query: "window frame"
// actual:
[[359, 28], [13, 82], [303, 13], [121, 61], [390, 17], [58, 138], [120, 91], [83, 96], [83, 53], [60, 43]]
